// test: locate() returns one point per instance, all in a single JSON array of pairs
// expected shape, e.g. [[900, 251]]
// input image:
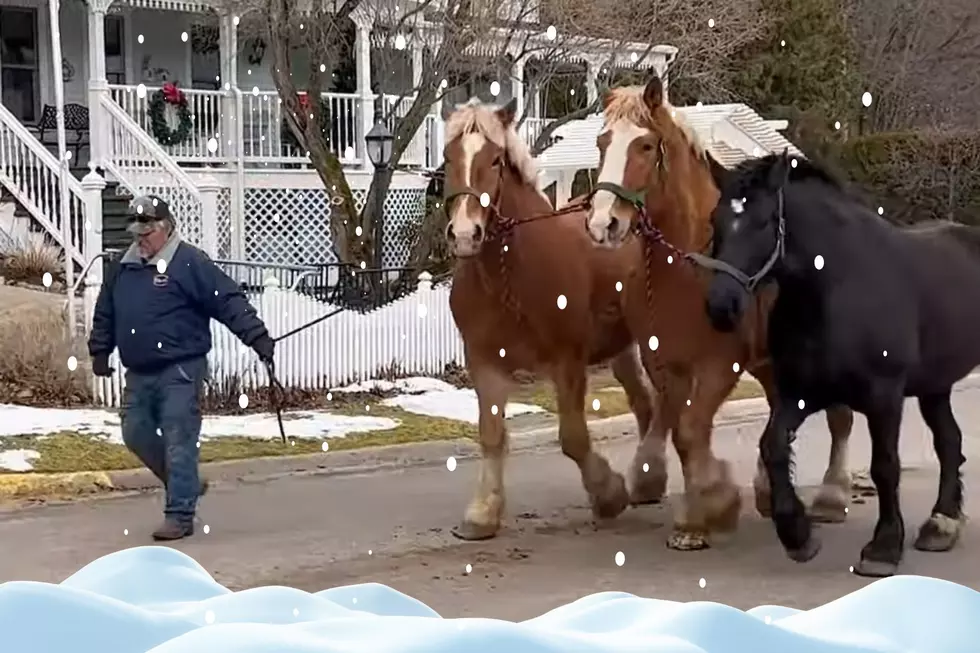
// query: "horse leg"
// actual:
[[882, 555], [760, 484], [606, 488], [942, 530], [711, 499], [648, 471], [830, 504], [483, 514]]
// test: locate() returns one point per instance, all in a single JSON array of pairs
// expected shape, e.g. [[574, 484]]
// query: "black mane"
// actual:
[[755, 172]]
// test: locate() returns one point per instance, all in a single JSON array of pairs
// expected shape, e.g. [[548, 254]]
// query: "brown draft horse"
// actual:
[[655, 178], [534, 295]]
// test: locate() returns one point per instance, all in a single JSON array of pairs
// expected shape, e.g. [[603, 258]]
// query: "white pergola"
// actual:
[[731, 132]]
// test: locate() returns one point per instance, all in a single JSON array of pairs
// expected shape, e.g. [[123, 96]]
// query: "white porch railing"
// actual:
[[142, 166], [264, 137], [415, 154], [31, 173], [263, 134], [205, 109]]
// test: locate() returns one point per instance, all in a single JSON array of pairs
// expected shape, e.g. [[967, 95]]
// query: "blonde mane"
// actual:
[[475, 116], [626, 103]]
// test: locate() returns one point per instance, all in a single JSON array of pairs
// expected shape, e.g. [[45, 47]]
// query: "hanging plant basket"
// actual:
[[170, 99]]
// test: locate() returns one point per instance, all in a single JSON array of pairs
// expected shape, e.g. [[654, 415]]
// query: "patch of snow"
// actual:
[[458, 404], [25, 420], [18, 460], [409, 385]]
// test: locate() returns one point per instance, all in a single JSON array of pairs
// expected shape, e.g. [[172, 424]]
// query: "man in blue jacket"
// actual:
[[156, 308]]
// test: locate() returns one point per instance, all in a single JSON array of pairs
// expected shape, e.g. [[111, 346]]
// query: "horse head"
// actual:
[[651, 163], [487, 166], [749, 235]]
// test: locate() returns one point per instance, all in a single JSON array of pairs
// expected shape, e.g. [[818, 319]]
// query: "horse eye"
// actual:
[[498, 161], [648, 147]]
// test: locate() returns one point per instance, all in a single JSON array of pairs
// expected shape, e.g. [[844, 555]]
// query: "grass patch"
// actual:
[[74, 452]]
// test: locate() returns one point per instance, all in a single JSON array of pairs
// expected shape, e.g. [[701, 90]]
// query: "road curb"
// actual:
[[18, 487]]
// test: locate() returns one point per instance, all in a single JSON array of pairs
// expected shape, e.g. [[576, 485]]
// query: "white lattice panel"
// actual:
[[404, 208], [223, 222], [290, 226]]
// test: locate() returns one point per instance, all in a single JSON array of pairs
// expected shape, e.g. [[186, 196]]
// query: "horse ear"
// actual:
[[779, 172], [653, 94], [508, 113], [719, 173]]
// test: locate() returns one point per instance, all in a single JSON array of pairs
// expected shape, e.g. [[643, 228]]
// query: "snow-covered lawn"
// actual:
[[419, 395], [435, 398], [23, 420]]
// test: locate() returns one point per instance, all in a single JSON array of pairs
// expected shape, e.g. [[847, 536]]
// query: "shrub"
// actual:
[[26, 261], [34, 352]]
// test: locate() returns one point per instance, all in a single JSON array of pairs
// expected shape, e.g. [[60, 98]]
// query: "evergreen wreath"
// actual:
[[173, 96]]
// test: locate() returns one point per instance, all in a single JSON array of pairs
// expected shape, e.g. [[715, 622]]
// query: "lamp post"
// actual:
[[378, 142]]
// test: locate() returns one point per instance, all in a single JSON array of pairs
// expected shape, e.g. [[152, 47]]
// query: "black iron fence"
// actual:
[[340, 284]]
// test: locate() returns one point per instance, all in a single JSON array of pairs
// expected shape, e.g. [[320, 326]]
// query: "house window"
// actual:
[[18, 62], [115, 52]]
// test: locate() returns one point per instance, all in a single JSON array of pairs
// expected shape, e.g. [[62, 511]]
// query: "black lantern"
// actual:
[[378, 142]]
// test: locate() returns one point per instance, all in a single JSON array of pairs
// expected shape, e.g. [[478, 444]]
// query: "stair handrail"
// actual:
[[53, 165], [160, 156], [35, 146]]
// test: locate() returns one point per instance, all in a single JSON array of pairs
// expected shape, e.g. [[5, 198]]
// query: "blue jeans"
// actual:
[[161, 424]]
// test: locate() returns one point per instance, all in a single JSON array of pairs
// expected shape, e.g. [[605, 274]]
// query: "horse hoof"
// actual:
[[472, 532], [829, 507], [649, 486], [875, 568], [939, 533], [682, 540], [807, 553], [613, 501]]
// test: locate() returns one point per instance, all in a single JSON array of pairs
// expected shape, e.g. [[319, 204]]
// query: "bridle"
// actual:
[[650, 233], [752, 282]]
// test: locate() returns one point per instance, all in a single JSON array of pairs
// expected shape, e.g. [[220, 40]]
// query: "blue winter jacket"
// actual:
[[158, 314]]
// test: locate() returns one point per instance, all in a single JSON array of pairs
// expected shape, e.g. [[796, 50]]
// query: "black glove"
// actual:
[[100, 365], [265, 347]]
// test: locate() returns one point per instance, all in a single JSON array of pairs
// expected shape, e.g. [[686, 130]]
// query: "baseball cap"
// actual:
[[144, 210]]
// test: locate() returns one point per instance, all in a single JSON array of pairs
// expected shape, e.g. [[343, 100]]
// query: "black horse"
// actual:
[[868, 313]]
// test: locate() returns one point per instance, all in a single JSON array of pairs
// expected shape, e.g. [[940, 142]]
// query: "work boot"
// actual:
[[172, 529]]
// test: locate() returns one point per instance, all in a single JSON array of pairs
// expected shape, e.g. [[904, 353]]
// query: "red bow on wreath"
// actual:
[[303, 100], [172, 94]]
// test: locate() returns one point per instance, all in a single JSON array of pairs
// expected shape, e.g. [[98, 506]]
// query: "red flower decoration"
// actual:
[[172, 94], [304, 100]]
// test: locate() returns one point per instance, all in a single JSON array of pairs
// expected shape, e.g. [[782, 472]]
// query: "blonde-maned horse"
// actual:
[[655, 180], [531, 292]]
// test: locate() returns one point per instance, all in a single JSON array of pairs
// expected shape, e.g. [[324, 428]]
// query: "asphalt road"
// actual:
[[315, 532]]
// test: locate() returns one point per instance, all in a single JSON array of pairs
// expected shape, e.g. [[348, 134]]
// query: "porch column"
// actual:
[[97, 84], [591, 87], [231, 133], [517, 85], [418, 61], [362, 52]]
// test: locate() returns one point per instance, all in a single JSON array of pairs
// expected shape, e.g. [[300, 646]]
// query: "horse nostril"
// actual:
[[477, 233], [450, 234], [613, 224]]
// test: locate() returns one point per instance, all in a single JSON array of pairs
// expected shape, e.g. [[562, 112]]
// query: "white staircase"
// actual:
[[143, 167], [31, 175]]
